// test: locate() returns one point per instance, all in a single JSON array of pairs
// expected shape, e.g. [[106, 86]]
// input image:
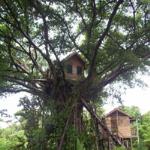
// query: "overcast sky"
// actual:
[[136, 96]]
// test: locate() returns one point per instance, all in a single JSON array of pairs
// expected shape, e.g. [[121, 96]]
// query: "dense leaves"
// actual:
[[111, 36], [144, 128], [12, 138]]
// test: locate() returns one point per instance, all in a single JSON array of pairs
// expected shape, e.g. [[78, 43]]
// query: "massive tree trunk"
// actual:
[[77, 120], [73, 120]]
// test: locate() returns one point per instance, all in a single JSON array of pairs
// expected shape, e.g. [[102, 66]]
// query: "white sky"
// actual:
[[136, 96]]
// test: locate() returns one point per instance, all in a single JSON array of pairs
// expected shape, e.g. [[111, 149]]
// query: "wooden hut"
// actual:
[[74, 66], [120, 124]]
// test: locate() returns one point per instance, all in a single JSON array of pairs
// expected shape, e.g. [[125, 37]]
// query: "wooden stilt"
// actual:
[[131, 143]]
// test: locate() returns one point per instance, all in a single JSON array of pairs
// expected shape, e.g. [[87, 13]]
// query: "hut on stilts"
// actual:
[[120, 124]]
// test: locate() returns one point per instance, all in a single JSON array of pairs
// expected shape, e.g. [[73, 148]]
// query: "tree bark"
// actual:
[[78, 122]]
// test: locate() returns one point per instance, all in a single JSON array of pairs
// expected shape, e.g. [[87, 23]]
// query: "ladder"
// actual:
[[116, 139]]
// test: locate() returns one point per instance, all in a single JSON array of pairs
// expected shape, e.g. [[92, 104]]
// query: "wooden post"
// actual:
[[131, 143], [137, 128], [117, 124], [108, 144]]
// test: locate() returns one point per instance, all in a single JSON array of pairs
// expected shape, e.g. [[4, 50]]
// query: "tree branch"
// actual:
[[19, 28], [98, 44], [46, 36]]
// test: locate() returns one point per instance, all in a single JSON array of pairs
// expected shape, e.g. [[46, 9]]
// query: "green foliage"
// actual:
[[119, 148], [12, 138], [140, 146], [133, 111], [144, 128], [33, 121], [80, 145], [142, 122]]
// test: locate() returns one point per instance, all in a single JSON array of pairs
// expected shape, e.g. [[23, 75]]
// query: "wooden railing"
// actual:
[[133, 132]]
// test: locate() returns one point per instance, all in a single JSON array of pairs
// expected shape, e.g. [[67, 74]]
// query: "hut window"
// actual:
[[79, 70], [69, 68]]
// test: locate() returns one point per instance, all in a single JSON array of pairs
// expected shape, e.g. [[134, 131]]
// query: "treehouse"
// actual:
[[120, 124], [74, 66]]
